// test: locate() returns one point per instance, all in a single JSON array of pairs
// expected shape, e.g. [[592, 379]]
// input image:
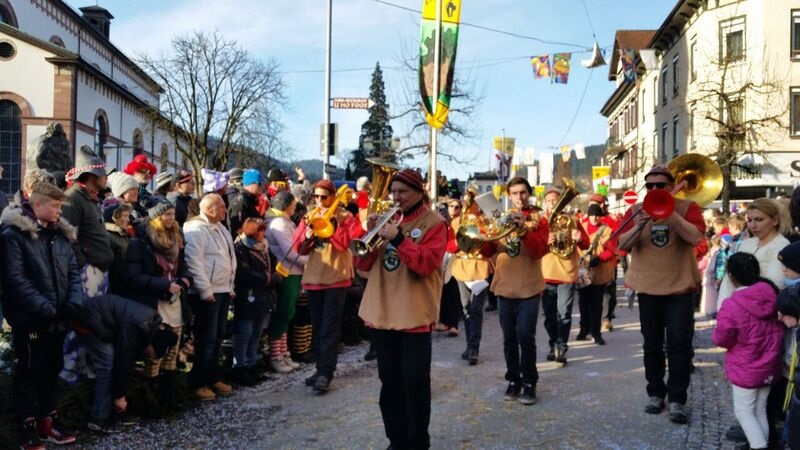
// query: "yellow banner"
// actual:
[[504, 144], [565, 153], [601, 179], [600, 172], [451, 10]]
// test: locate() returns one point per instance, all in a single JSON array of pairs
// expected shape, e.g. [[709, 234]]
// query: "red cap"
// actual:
[[327, 185], [410, 178]]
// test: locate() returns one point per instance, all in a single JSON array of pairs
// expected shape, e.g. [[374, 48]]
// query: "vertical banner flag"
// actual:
[[530, 156], [451, 15], [541, 66], [580, 150], [627, 58], [601, 179], [516, 161], [565, 153], [561, 67], [503, 152], [649, 59], [532, 175], [546, 168]]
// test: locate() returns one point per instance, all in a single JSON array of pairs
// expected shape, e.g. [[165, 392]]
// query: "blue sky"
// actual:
[[536, 112]]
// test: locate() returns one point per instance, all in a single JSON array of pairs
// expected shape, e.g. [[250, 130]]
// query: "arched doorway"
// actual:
[[10, 146]]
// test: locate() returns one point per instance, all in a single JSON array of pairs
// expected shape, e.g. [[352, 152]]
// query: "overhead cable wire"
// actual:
[[493, 30]]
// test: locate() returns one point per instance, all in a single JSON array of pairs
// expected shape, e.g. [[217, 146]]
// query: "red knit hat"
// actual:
[[140, 164], [410, 178], [327, 185]]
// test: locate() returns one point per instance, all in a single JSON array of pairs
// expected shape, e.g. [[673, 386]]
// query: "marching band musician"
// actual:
[[401, 305], [471, 272], [327, 275], [518, 284], [560, 274], [664, 273], [601, 263], [610, 296]]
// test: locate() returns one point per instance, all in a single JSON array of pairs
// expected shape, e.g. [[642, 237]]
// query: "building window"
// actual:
[[693, 60], [655, 94], [692, 136], [7, 15], [664, 85], [656, 154], [57, 41], [163, 158], [794, 128], [100, 136], [663, 146], [10, 145], [795, 34], [675, 149], [675, 76], [732, 39], [644, 103]]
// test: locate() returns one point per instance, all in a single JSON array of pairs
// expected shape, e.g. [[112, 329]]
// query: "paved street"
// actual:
[[595, 401]]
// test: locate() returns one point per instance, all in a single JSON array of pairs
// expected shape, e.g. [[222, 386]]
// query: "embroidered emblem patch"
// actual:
[[416, 233], [391, 259], [659, 235], [512, 247]]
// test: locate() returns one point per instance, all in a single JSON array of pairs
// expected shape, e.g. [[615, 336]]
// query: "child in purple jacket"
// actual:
[[747, 326]]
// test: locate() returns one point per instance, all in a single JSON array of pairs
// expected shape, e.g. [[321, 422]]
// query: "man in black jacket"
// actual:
[[42, 292], [117, 332], [244, 204], [182, 195]]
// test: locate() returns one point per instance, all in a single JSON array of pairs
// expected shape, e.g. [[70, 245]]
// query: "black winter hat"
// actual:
[[790, 256], [789, 302], [595, 210]]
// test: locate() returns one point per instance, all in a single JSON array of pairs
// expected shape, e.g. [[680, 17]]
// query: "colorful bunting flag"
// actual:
[[561, 67], [627, 58], [565, 153], [503, 153], [451, 15], [649, 59], [541, 66]]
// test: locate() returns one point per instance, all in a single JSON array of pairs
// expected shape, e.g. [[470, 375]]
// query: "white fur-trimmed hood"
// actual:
[[15, 217]]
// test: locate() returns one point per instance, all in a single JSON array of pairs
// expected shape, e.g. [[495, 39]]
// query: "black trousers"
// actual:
[[450, 312], [210, 319], [40, 358], [404, 368], [326, 307], [676, 314], [590, 304]]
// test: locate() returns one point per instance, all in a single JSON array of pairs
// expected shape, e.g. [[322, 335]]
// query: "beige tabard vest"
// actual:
[[517, 276], [327, 265]]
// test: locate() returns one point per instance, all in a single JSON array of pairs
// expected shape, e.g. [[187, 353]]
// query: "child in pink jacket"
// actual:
[[748, 327]]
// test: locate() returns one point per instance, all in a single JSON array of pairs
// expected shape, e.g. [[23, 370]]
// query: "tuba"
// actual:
[[382, 173], [562, 224]]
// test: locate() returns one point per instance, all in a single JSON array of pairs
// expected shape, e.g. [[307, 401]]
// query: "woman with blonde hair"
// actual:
[[768, 223]]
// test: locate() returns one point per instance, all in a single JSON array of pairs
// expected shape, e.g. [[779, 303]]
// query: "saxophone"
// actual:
[[562, 224]]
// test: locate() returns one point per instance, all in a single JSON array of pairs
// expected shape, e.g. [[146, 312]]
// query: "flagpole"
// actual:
[[433, 181]]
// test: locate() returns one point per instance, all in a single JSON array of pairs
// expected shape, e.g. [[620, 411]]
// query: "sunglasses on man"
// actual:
[[658, 185]]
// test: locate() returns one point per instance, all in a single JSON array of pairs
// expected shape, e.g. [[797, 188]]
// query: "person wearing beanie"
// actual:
[[598, 265], [407, 267], [117, 218], [666, 303], [256, 282], [327, 275], [125, 188], [235, 180], [281, 230], [610, 295], [244, 203], [157, 275], [182, 194]]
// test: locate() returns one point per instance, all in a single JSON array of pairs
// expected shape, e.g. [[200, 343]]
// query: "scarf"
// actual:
[[789, 282]]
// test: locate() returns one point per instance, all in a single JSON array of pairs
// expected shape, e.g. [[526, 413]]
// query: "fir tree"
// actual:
[[375, 131]]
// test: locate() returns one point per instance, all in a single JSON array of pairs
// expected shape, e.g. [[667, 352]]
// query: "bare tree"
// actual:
[[217, 99], [461, 128], [747, 106]]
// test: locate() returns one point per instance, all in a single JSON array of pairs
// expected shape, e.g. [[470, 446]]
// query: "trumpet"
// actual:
[[371, 240]]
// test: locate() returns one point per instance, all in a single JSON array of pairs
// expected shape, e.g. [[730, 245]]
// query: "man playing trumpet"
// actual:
[[401, 305], [663, 272], [518, 284]]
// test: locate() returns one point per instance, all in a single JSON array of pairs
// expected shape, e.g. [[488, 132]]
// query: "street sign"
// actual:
[[630, 197], [352, 103]]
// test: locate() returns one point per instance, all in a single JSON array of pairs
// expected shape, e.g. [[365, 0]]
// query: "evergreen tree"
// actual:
[[375, 131]]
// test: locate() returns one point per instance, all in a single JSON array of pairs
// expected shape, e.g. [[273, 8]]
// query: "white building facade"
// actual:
[[58, 65], [747, 49]]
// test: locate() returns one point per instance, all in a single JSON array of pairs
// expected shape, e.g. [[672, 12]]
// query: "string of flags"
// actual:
[[508, 159], [557, 68], [627, 58]]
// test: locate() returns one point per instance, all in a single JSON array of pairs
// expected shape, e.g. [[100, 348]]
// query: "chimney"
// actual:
[[99, 18]]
